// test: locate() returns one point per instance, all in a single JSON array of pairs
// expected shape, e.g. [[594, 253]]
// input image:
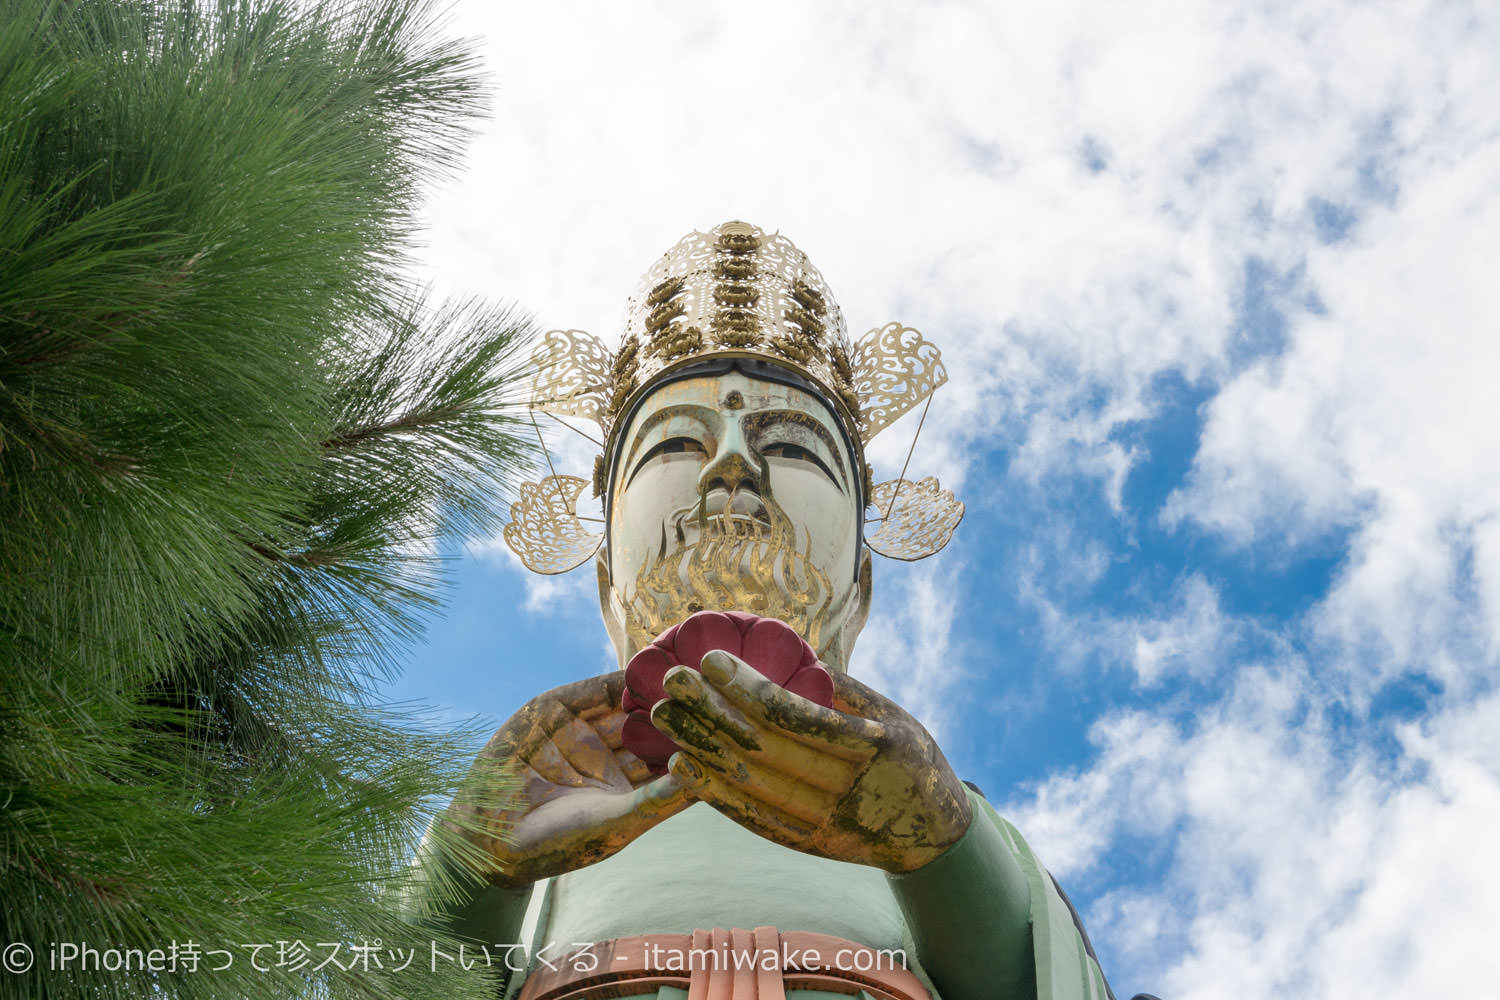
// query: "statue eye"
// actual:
[[672, 446], [797, 453], [678, 446]]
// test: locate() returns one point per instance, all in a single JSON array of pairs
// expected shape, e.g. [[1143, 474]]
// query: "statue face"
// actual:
[[735, 493]]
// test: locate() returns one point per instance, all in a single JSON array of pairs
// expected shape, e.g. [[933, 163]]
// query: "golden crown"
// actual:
[[734, 291]]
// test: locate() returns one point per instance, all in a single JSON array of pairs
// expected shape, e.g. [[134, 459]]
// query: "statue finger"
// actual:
[[637, 772], [755, 695], [588, 755], [534, 727], [609, 727], [699, 716], [687, 728], [685, 687], [776, 781], [769, 821], [858, 698], [785, 792], [607, 720], [660, 798], [601, 690], [550, 762]]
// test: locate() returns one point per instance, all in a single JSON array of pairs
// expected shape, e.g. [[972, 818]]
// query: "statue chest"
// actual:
[[702, 870]]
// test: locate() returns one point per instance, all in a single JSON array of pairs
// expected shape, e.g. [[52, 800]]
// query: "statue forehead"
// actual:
[[732, 395]]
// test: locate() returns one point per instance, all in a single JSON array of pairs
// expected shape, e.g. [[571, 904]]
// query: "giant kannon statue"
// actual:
[[731, 814]]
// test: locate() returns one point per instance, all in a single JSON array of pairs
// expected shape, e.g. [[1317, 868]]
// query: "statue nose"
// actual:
[[730, 472], [734, 466]]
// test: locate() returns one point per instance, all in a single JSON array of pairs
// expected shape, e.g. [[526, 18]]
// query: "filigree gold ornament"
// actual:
[[574, 375], [920, 521], [545, 529], [895, 368]]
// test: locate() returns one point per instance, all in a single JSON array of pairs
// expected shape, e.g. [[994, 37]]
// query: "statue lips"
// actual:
[[740, 513], [768, 645]]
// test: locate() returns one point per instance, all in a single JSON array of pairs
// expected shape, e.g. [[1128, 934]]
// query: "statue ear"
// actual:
[[609, 606], [861, 612]]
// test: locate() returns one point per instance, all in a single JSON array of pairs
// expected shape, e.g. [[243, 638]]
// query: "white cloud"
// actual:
[[1295, 868], [1380, 418], [1187, 636], [1196, 640]]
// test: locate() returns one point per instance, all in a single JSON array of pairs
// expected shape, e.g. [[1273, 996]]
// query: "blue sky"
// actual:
[[1214, 284]]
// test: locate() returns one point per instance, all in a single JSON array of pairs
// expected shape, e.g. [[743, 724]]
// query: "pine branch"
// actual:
[[230, 441], [413, 420]]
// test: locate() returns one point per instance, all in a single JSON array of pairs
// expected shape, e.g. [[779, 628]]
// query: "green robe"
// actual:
[[985, 918]]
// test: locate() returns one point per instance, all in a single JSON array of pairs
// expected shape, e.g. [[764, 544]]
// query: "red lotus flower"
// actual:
[[768, 645]]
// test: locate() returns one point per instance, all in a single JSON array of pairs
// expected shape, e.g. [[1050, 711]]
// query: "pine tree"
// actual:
[[232, 444]]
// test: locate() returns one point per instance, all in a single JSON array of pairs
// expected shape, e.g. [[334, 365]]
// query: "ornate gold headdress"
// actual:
[[734, 292]]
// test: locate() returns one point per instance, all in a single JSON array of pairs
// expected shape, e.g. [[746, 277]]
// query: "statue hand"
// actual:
[[863, 783], [582, 796]]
